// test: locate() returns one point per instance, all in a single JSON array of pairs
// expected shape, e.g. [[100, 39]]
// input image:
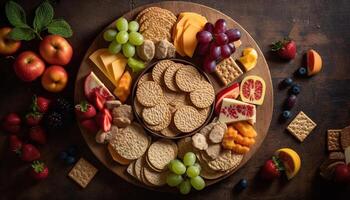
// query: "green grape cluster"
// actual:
[[185, 174]]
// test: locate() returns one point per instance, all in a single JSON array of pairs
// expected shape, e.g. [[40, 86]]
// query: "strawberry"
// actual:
[[33, 118], [104, 121], [30, 153], [285, 49], [84, 110], [37, 134], [90, 125], [107, 113], [15, 144], [39, 171], [12, 123], [98, 100], [272, 169], [40, 104]]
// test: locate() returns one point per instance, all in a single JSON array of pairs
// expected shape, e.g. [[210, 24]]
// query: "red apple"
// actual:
[[55, 78], [28, 66], [7, 45], [231, 92], [55, 50]]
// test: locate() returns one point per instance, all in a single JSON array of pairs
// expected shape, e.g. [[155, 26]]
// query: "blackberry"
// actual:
[[64, 106], [54, 120]]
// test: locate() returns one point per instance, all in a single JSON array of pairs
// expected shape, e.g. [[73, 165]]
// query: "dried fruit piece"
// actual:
[[245, 129], [253, 90]]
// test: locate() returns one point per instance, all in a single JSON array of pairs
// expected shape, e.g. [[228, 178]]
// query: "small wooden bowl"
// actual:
[[133, 99]]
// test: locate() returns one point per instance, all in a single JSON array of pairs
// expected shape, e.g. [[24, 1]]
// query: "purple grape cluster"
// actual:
[[215, 42]]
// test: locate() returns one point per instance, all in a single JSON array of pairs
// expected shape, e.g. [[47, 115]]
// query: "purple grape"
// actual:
[[291, 101], [209, 27], [220, 26], [233, 35], [204, 37], [225, 51], [209, 65], [215, 52], [203, 49], [221, 39], [232, 47]]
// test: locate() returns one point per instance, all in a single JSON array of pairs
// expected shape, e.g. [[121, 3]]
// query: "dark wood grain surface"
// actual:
[[322, 25]]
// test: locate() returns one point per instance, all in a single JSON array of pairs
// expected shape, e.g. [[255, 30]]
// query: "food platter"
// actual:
[[264, 112]]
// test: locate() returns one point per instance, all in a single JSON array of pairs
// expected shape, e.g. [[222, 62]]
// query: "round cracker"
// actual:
[[170, 131], [208, 173], [149, 94], [138, 167], [165, 123], [159, 70], [226, 161], [188, 78], [169, 77], [169, 95], [184, 145], [187, 119], [131, 169], [161, 152], [204, 97], [155, 115], [144, 78], [154, 177], [130, 143], [116, 157], [138, 107]]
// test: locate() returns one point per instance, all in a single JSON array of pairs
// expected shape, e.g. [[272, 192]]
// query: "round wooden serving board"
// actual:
[[264, 112]]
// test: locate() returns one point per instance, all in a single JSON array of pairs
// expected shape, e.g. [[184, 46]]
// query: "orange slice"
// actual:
[[314, 62], [290, 160]]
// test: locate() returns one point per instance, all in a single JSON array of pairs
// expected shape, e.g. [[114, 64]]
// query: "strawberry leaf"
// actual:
[[278, 163]]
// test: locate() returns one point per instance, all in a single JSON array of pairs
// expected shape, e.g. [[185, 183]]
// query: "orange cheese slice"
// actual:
[[118, 68], [189, 40]]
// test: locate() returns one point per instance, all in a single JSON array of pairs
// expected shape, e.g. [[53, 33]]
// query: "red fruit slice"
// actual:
[[104, 121], [231, 92], [253, 90], [107, 113], [98, 100], [92, 84]]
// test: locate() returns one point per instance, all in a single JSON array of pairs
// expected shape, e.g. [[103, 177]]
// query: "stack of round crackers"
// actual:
[[173, 98], [156, 23]]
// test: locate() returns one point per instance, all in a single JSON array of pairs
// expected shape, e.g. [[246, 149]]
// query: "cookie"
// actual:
[[83, 172], [199, 142], [184, 145], [144, 78], [203, 97], [163, 124], [130, 143], [156, 33], [138, 107], [116, 157], [333, 140], [161, 152], [169, 95], [170, 131], [210, 174], [138, 167], [159, 70], [155, 115], [154, 177], [188, 78], [228, 71], [345, 137], [187, 119], [149, 94], [169, 76], [146, 50], [226, 161], [301, 126]]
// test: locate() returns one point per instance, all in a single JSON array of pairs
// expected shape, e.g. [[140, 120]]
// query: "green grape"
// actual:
[[128, 50], [135, 38], [136, 65], [199, 166], [133, 26], [109, 35], [122, 24], [185, 187], [197, 183], [173, 179], [189, 158], [192, 171], [122, 37], [114, 47], [178, 167], [171, 163]]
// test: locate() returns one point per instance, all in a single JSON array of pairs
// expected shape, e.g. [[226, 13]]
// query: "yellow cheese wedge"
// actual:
[[95, 58], [118, 68], [189, 39], [107, 59]]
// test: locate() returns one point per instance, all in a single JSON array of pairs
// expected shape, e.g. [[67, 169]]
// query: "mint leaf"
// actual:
[[15, 14], [60, 27], [19, 33], [43, 16]]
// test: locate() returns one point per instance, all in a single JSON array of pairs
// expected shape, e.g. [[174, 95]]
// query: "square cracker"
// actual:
[[83, 172], [333, 139], [228, 70], [301, 126]]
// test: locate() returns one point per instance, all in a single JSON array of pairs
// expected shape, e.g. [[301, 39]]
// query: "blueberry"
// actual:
[[295, 89], [290, 102], [302, 71], [243, 183], [287, 81], [286, 114], [63, 155], [72, 150], [70, 160]]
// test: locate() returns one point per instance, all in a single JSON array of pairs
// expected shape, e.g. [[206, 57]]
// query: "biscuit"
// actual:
[[163, 124], [203, 97], [187, 119], [154, 177], [138, 107], [159, 70], [161, 152], [228, 71], [188, 78], [156, 33], [138, 167], [169, 76], [333, 140], [145, 77], [149, 94], [226, 161], [301, 126], [170, 131], [83, 172], [345, 137], [210, 174], [116, 157], [169, 95], [131, 169], [155, 115], [338, 155]]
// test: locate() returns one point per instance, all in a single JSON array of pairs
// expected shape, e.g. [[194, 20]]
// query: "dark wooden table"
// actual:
[[322, 25]]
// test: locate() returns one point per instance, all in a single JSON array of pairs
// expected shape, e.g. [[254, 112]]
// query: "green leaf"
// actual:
[[18, 33], [15, 14], [60, 27], [43, 16]]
